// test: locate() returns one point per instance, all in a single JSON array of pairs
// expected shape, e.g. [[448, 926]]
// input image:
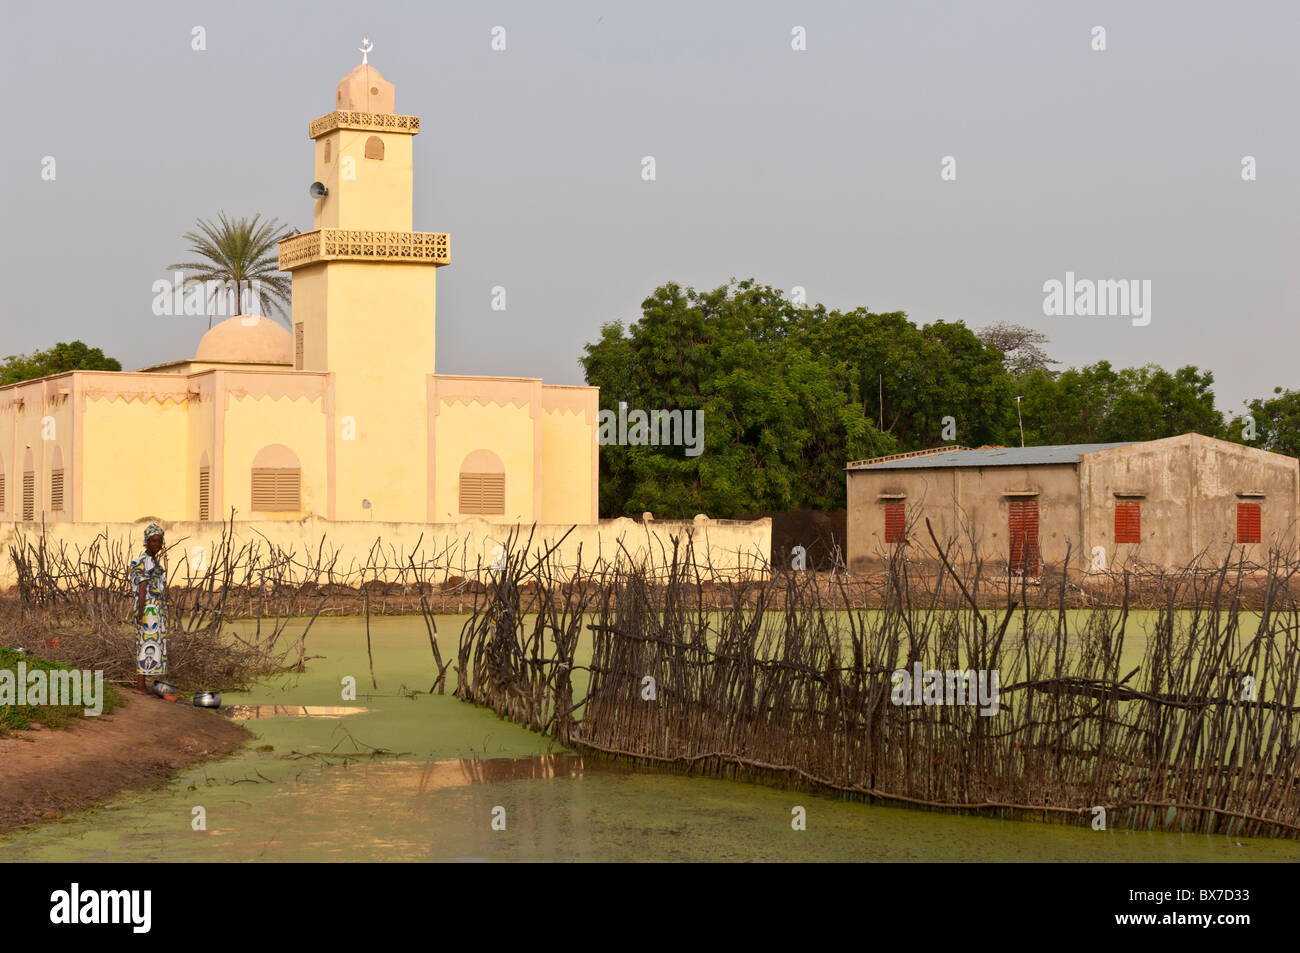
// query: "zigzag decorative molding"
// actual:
[[519, 403], [568, 412], [128, 397], [242, 393]]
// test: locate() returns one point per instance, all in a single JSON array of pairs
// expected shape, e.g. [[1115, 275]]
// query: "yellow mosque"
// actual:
[[343, 418]]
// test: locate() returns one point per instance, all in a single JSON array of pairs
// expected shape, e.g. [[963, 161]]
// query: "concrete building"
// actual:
[[342, 417], [1159, 502]]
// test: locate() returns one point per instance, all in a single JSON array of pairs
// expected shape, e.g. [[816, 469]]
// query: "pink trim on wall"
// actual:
[[274, 384], [535, 411], [217, 485], [572, 399], [72, 493], [487, 391], [595, 458], [431, 424], [331, 459]]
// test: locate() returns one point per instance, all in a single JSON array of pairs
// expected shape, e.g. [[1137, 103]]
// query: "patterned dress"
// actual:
[[151, 634]]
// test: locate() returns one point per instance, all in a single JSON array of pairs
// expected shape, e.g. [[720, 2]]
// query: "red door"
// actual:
[[1023, 520]]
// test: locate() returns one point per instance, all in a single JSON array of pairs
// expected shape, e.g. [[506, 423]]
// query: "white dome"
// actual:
[[247, 339]]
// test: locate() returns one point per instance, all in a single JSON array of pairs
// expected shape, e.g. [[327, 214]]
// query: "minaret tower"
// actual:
[[364, 294]]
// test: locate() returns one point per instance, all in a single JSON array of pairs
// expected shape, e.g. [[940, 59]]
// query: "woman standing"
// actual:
[[149, 581]]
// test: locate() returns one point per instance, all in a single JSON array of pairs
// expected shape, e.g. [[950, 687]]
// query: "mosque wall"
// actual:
[[486, 425], [570, 456], [725, 548]]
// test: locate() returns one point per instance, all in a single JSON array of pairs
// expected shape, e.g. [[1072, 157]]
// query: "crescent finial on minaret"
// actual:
[[366, 47]]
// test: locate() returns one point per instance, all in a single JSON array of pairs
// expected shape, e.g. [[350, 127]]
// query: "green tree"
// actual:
[[239, 254], [907, 379], [1275, 421], [780, 420], [64, 356], [1099, 404]]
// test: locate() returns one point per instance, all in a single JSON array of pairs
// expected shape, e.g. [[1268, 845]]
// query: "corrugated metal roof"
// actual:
[[999, 457]]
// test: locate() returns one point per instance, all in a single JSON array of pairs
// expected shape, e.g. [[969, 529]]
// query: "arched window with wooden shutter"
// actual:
[[482, 484], [2, 484], [374, 148], [277, 480]]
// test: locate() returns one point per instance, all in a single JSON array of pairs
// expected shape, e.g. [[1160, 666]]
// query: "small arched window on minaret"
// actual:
[[374, 148], [328, 142]]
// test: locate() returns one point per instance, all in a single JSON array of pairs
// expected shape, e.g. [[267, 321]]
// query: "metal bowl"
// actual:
[[207, 700], [161, 688]]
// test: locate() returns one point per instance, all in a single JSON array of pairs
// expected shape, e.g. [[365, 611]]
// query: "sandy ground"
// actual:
[[47, 773]]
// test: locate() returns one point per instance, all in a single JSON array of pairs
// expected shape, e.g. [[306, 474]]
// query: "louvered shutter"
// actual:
[[1248, 522], [471, 492], [2, 492], [1128, 522], [205, 491], [895, 522], [288, 488], [1023, 530], [56, 490], [277, 488], [29, 495], [494, 493], [483, 494]]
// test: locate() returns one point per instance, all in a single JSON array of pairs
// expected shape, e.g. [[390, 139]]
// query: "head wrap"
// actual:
[[153, 529]]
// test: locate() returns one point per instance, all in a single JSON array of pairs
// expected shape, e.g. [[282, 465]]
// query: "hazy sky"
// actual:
[[817, 168]]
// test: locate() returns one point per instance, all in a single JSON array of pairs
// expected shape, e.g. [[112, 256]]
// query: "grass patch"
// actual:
[[23, 717]]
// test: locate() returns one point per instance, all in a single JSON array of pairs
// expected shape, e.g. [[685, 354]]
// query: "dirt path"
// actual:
[[47, 773]]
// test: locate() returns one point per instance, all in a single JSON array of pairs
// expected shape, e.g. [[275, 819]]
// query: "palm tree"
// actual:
[[242, 252]]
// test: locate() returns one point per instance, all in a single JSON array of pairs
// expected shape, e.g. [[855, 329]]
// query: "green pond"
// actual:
[[454, 768]]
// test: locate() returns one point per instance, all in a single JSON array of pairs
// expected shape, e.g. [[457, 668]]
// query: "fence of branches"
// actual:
[[75, 604], [1182, 717]]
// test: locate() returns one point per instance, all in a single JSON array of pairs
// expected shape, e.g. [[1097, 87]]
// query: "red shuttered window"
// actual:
[[1248, 522], [895, 522], [1023, 530], [1128, 522]]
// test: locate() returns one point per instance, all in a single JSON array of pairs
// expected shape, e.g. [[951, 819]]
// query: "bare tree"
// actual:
[[1019, 345]]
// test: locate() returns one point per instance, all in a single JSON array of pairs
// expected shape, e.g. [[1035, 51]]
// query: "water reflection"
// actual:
[[438, 803], [242, 712], [460, 772]]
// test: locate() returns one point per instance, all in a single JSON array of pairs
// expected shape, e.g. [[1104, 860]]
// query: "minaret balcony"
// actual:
[[349, 244], [375, 122]]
